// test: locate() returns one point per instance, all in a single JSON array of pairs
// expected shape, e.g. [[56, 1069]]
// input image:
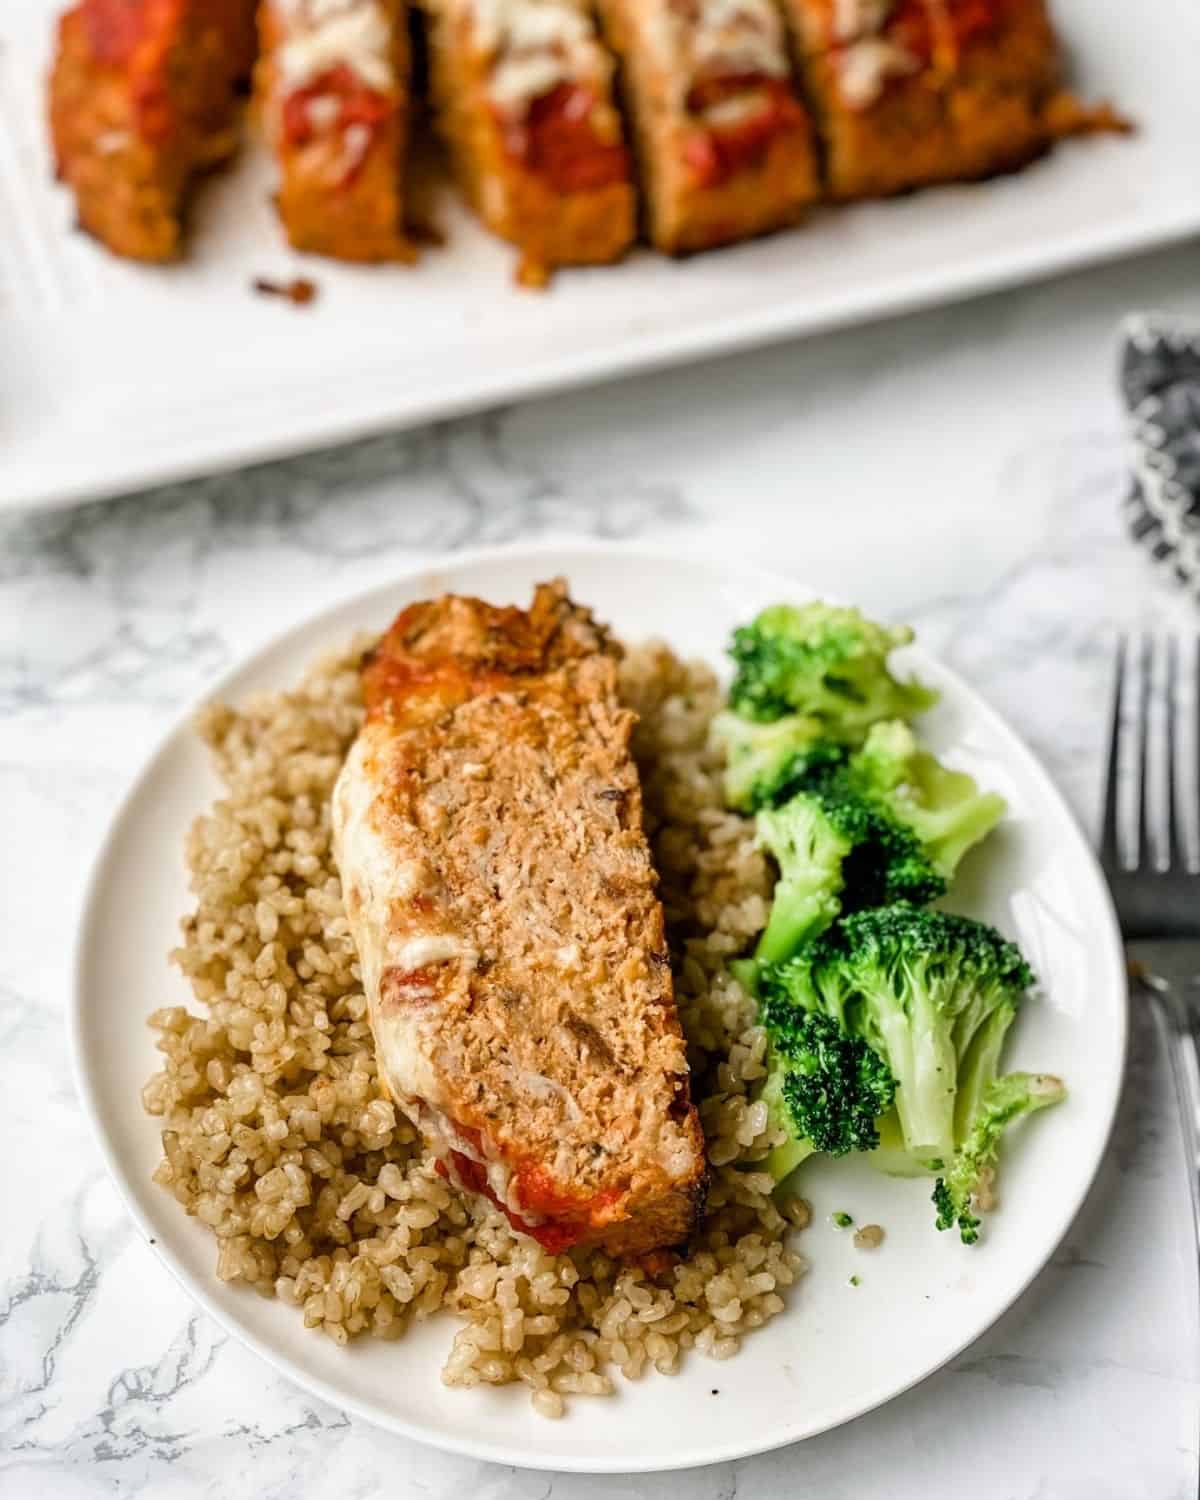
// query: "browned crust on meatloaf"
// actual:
[[131, 192], [986, 114], [502, 751]]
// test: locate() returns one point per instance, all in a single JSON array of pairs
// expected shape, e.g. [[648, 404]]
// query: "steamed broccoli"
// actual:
[[761, 759], [810, 846], [932, 994], [856, 828], [836, 849], [810, 683], [944, 809], [885, 1020], [824, 1088], [887, 823], [825, 662], [967, 1181]]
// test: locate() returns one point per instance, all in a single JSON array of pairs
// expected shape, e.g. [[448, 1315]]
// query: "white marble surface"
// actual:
[[961, 469]]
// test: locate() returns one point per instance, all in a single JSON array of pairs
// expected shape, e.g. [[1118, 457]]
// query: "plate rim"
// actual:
[[724, 336], [465, 1445]]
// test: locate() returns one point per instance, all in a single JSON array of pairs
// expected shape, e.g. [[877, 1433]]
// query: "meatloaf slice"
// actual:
[[725, 146], [912, 92], [523, 97], [144, 98], [498, 881], [333, 85]]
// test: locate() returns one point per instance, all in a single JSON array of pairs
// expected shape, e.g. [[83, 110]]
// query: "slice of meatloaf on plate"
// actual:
[[522, 91], [912, 92], [498, 881], [725, 146], [144, 98], [333, 85]]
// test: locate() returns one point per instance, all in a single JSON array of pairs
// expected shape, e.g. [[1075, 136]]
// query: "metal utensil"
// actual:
[[1151, 812]]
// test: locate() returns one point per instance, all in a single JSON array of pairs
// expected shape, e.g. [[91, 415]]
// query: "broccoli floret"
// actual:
[[825, 662], [824, 1088], [836, 851], [762, 760], [918, 986], [957, 1195], [933, 996], [944, 809], [884, 824], [783, 1160], [810, 848]]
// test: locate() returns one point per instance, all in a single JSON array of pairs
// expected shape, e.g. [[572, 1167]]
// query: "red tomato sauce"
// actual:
[[116, 28], [717, 153], [137, 35], [538, 1191], [409, 989], [357, 105], [567, 1217], [940, 33], [557, 140], [552, 1237], [389, 681]]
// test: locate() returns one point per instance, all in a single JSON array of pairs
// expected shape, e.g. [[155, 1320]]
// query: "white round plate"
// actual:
[[838, 1350]]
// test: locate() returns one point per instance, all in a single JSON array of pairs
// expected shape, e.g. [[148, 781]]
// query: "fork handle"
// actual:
[[1179, 1037]]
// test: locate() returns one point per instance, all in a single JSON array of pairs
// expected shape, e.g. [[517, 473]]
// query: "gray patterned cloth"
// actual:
[[1160, 379]]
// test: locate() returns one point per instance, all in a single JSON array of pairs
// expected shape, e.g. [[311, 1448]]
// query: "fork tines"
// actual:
[[1152, 794]]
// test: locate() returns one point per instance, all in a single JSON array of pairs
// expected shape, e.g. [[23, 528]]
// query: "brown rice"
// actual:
[[275, 1132]]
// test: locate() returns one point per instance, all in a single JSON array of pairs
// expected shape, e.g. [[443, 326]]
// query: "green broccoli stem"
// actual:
[[919, 1049], [803, 904], [979, 1065], [1004, 1101], [745, 971], [783, 1160], [891, 1156]]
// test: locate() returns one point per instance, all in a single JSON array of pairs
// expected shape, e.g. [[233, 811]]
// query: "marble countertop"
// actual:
[[961, 469]]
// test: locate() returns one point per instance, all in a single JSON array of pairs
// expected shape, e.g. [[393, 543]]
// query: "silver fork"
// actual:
[[1152, 793]]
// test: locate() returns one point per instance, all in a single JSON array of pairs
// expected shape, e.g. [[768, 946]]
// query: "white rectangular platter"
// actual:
[[114, 377]]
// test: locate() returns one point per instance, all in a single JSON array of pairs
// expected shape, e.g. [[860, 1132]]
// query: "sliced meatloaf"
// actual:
[[523, 95], [912, 92], [333, 85], [724, 144], [488, 829], [144, 98]]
